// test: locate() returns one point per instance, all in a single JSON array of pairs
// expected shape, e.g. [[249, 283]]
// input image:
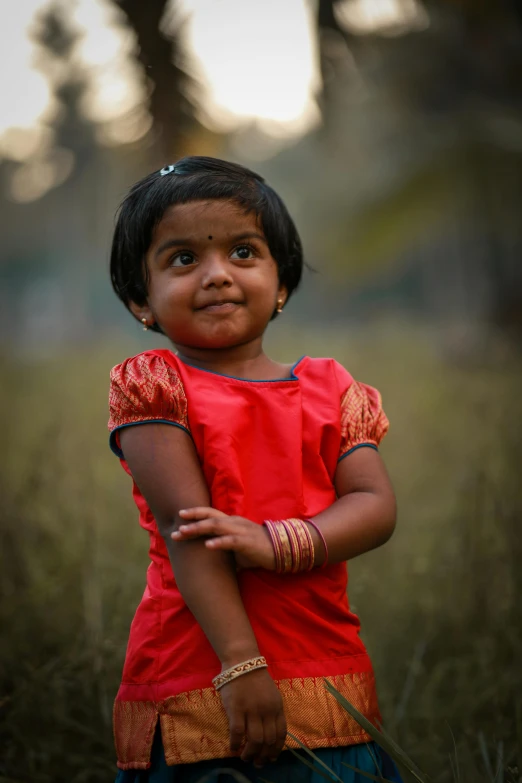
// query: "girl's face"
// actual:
[[212, 280]]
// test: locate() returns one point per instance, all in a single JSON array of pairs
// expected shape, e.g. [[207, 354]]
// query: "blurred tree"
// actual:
[[71, 128], [52, 297], [161, 58], [433, 149]]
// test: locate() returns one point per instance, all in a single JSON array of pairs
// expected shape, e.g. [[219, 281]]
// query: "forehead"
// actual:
[[214, 217]]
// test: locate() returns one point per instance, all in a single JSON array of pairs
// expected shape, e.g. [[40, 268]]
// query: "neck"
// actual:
[[242, 361]]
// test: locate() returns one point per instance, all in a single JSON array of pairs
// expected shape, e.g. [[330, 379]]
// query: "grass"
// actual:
[[439, 604]]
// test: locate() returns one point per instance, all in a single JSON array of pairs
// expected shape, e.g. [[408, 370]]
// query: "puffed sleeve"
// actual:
[[363, 421], [145, 389]]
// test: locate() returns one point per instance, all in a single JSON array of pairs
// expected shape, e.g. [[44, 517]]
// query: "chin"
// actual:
[[217, 343], [212, 342]]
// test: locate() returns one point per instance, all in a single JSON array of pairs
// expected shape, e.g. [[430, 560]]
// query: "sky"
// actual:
[[256, 70], [249, 68]]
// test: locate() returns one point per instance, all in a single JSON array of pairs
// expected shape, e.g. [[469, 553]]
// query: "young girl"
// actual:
[[256, 482]]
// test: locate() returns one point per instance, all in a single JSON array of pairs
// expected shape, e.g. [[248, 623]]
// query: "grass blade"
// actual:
[[315, 757], [412, 674], [381, 738], [500, 762], [332, 774], [374, 759], [379, 778], [309, 764], [454, 764], [485, 755], [234, 773]]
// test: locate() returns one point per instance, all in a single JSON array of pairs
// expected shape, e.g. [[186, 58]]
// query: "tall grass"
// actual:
[[440, 604]]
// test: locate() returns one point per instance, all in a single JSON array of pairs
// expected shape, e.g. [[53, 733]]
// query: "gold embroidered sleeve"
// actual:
[[363, 421], [145, 389]]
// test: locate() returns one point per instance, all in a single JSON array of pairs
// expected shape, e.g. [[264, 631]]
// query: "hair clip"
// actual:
[[167, 170]]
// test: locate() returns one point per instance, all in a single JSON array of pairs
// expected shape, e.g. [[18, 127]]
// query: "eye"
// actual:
[[243, 252], [183, 259]]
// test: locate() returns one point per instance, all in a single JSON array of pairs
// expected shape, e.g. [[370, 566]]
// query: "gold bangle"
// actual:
[[286, 547], [293, 545], [306, 545], [295, 549], [237, 671], [276, 543]]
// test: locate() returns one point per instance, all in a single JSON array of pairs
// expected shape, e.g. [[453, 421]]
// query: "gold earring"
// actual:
[[145, 324], [279, 305]]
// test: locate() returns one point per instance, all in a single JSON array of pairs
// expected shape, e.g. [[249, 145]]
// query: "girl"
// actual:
[[253, 484]]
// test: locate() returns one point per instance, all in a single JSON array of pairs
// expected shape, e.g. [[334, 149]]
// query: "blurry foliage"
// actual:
[[415, 173], [418, 162], [440, 603], [57, 40], [162, 61]]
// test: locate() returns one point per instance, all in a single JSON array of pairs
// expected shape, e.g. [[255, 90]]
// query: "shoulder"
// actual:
[[157, 364], [330, 372], [145, 387], [362, 419]]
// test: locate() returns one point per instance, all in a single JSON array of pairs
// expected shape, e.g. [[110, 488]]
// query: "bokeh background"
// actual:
[[393, 130]]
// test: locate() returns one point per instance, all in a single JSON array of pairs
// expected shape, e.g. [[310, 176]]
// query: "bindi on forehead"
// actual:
[[210, 236]]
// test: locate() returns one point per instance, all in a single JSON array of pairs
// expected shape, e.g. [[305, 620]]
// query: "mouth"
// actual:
[[219, 307]]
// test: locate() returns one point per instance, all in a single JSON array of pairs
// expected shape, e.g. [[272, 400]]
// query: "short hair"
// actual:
[[196, 178]]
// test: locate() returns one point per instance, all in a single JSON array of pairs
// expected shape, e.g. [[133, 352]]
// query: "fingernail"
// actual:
[[175, 535]]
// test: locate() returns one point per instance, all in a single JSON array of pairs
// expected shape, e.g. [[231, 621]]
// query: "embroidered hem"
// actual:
[[194, 725]]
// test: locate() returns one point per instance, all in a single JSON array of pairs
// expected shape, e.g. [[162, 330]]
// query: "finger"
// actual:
[[255, 735], [231, 543], [237, 731], [206, 527], [200, 512], [270, 737], [280, 737]]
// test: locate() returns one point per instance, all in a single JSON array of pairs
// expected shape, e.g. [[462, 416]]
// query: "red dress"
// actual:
[[268, 450]]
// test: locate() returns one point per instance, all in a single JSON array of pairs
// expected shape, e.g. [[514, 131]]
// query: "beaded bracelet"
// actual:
[[237, 671]]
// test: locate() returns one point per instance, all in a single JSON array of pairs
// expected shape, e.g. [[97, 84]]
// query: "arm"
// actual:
[[164, 464], [364, 515], [361, 519]]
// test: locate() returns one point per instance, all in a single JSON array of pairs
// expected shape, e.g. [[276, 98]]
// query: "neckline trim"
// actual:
[[293, 376]]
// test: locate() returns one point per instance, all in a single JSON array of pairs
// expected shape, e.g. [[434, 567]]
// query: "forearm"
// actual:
[[354, 524], [165, 467], [207, 581]]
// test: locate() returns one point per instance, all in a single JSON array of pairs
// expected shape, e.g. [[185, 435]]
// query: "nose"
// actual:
[[217, 271]]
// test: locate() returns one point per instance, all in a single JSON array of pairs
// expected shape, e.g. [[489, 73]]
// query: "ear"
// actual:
[[282, 294], [142, 311]]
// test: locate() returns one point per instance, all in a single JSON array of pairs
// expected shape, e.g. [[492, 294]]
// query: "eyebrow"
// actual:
[[170, 243]]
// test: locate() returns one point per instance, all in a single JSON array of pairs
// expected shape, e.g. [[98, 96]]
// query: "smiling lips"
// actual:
[[224, 306]]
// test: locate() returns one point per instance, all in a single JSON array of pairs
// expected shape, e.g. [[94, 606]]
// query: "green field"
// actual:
[[440, 604]]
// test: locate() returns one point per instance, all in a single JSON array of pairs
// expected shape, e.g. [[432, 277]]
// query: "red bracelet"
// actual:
[[293, 545], [276, 543], [320, 534]]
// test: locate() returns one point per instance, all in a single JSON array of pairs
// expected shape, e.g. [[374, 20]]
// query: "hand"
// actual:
[[250, 542], [254, 709]]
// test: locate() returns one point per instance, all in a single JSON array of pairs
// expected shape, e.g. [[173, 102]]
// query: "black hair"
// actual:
[[196, 178]]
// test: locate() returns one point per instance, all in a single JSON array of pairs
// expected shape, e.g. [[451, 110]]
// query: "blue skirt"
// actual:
[[287, 769]]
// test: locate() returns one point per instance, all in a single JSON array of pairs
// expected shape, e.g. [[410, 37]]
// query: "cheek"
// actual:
[[266, 285], [168, 295]]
